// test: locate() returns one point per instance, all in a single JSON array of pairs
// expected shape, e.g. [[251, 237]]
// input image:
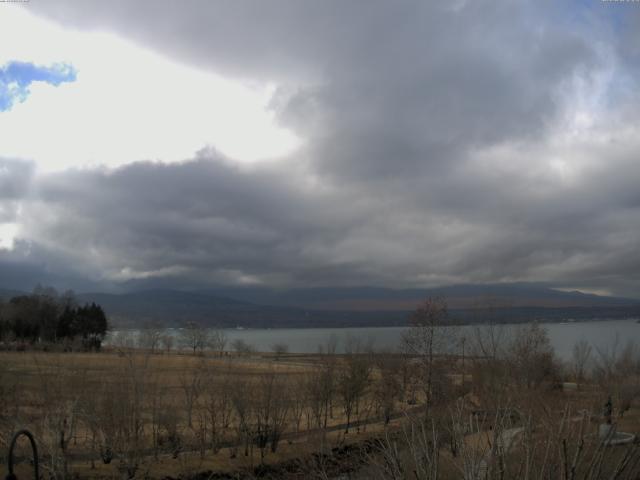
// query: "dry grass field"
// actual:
[[128, 413], [177, 414]]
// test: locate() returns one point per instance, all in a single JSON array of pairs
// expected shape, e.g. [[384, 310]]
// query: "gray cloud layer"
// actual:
[[444, 142], [15, 178]]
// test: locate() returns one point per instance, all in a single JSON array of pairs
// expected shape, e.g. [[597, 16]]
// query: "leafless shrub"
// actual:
[[242, 347], [280, 349], [542, 444], [413, 453]]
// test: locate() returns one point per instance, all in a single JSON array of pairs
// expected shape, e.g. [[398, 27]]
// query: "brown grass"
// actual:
[[42, 377]]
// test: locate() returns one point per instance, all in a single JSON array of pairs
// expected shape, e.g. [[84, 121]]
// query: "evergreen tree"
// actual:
[[46, 316]]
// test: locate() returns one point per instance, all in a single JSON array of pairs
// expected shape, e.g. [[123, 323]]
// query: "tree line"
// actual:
[[46, 317]]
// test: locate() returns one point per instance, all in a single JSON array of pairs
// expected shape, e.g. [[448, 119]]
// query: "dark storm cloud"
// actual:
[[206, 222], [435, 150], [203, 218], [28, 264]]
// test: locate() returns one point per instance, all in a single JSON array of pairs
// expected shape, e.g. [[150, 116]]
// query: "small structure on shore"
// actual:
[[607, 431]]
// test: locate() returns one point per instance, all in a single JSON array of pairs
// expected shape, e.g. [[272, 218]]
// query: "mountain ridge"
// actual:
[[342, 307], [457, 296]]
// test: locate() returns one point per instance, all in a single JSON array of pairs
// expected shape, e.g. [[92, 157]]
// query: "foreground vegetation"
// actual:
[[495, 406]]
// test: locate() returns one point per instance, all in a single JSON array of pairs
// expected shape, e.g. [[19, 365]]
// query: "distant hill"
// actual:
[[342, 307], [511, 295], [367, 306], [174, 308]]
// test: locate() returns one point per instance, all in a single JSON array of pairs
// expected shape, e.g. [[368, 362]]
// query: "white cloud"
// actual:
[[8, 233], [127, 104]]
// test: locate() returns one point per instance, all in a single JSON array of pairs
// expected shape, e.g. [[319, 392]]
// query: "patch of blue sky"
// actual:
[[17, 77]]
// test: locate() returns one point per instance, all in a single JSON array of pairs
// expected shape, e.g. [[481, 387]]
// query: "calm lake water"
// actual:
[[602, 334]]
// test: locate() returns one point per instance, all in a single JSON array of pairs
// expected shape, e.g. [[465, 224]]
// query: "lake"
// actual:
[[600, 334]]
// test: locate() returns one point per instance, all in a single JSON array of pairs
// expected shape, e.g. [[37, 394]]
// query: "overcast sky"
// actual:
[[306, 143]]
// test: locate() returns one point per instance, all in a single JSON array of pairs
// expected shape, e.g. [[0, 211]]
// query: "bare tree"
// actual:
[[580, 357], [298, 399], [218, 406], [430, 334], [194, 337], [269, 412], [89, 414], [217, 340], [10, 407], [531, 356], [330, 347], [314, 393], [242, 347], [320, 388], [157, 404], [617, 370], [353, 379], [489, 345], [167, 340], [123, 339], [128, 413], [489, 340], [192, 384], [242, 405], [60, 397], [172, 435], [150, 336], [387, 389]]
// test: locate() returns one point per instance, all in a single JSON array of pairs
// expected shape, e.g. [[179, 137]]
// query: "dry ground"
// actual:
[[33, 384], [35, 381]]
